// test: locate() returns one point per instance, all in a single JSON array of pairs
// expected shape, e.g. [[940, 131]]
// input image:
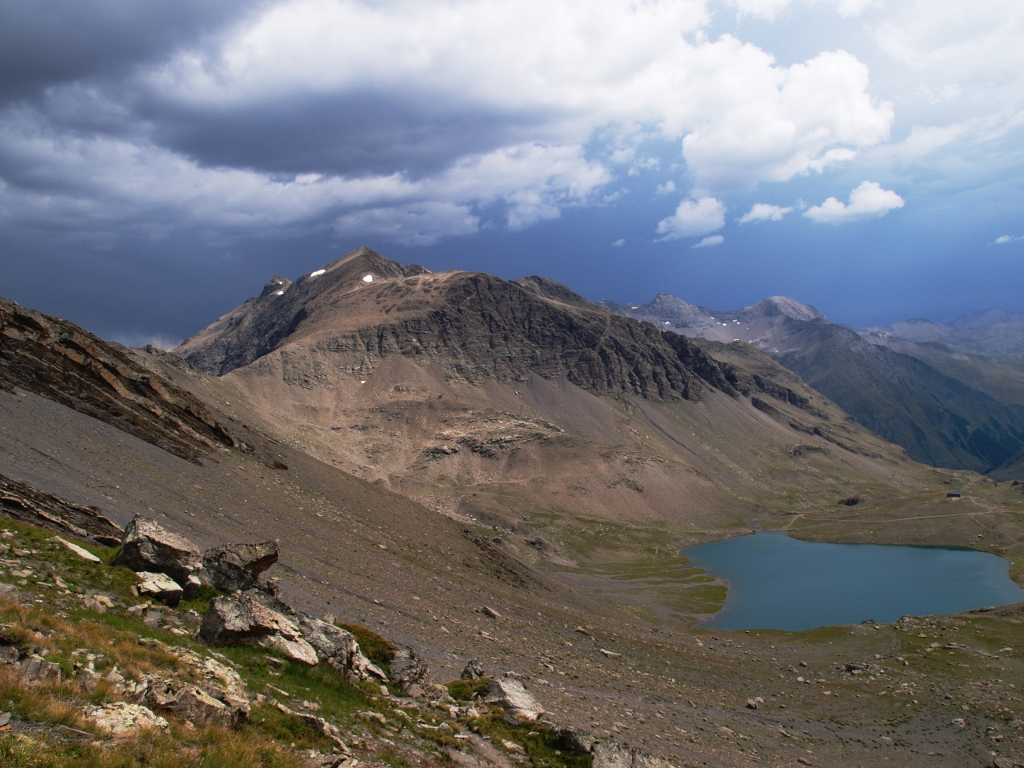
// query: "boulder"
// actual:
[[123, 719], [512, 696], [36, 669], [339, 649], [409, 672], [575, 740], [160, 587], [220, 681], [148, 547], [235, 567], [242, 620], [189, 702]]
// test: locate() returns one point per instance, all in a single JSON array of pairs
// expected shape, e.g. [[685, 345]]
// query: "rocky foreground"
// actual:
[[102, 659]]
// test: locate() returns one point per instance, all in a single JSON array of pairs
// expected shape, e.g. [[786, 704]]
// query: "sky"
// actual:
[[161, 161]]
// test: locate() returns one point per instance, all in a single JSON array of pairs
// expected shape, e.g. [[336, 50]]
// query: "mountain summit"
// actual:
[[476, 395]]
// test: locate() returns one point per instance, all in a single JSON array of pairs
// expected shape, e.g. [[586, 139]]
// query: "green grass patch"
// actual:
[[374, 647], [464, 690], [543, 747], [200, 602], [267, 720]]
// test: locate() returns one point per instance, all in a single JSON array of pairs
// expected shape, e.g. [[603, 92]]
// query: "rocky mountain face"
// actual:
[[476, 326], [432, 384], [946, 405], [61, 361]]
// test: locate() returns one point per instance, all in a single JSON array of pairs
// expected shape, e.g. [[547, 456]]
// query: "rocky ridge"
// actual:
[[61, 361]]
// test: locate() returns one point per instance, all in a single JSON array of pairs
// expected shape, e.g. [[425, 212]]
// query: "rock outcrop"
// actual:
[[609, 754], [148, 547], [234, 567], [339, 649], [58, 360], [409, 672], [242, 620], [26, 504]]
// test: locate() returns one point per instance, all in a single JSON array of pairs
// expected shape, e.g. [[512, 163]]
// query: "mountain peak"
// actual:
[[362, 262], [277, 285], [783, 305], [552, 289]]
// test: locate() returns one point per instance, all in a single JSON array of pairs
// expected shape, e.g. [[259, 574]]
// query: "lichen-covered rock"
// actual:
[[148, 547], [339, 649], [124, 719], [220, 681], [241, 620], [160, 587], [189, 702], [234, 567], [512, 696], [409, 672]]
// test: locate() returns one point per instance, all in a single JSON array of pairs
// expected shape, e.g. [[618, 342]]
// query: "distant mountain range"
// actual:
[[952, 395]]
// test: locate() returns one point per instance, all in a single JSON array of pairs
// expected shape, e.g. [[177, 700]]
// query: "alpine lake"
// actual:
[[778, 582]]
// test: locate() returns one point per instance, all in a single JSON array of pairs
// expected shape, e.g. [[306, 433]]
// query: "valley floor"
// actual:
[[607, 646]]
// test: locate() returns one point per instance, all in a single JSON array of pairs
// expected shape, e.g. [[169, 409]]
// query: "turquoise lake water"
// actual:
[[776, 582]]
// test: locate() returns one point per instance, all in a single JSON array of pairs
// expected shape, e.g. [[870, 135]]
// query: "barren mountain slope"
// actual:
[[614, 654], [492, 402]]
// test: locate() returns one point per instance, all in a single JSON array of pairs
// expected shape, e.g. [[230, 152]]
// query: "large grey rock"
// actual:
[[242, 620], [148, 547], [160, 587], [191, 702], [219, 680], [409, 672], [575, 740], [510, 694], [234, 567], [36, 669], [339, 649]]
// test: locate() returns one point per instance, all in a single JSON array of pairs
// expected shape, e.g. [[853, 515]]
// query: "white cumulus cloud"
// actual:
[[764, 212], [693, 217], [867, 201], [709, 241], [1004, 239]]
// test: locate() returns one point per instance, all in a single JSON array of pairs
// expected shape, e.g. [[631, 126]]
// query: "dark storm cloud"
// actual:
[[48, 42], [348, 134]]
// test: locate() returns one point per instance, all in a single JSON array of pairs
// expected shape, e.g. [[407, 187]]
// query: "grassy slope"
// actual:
[[52, 621]]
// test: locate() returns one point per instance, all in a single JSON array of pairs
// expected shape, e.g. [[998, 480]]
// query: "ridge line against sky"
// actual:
[[159, 161]]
